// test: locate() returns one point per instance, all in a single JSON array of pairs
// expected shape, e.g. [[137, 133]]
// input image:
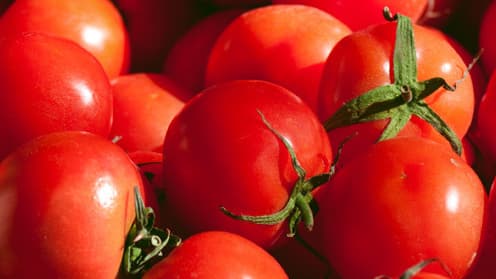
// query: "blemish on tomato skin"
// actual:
[[455, 162]]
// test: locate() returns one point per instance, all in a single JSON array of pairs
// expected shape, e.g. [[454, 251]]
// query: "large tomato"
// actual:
[[96, 25], [49, 84], [144, 105], [218, 151], [66, 207], [359, 14], [291, 53], [364, 61], [217, 254], [413, 199]]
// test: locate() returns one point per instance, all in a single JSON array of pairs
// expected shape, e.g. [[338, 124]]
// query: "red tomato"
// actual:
[[66, 198], [219, 152], [49, 84], [238, 3], [487, 40], [96, 25], [437, 13], [413, 199], [363, 61], [483, 266], [187, 60], [153, 27], [358, 14], [217, 254], [291, 53], [485, 134], [144, 105]]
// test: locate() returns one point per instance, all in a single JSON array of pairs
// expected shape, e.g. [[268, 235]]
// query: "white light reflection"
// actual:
[[84, 92], [446, 67], [452, 200], [93, 36], [105, 193]]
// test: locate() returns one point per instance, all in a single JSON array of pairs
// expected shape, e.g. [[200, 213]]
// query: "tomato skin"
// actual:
[[414, 199], [217, 254], [67, 205], [360, 14], [49, 84], [96, 25], [153, 27], [485, 135], [187, 60], [363, 61], [486, 38], [291, 53], [144, 105], [218, 152]]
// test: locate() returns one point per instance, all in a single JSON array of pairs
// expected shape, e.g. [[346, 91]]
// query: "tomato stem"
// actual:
[[401, 99], [299, 205], [145, 243]]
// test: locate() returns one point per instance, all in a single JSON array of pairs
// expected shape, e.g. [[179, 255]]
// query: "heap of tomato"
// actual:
[[235, 139]]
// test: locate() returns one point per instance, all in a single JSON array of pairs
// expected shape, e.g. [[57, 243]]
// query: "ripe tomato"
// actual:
[[187, 60], [484, 134], [414, 199], [291, 53], [96, 25], [437, 13], [483, 266], [359, 14], [144, 105], [49, 84], [217, 254], [363, 61], [219, 152], [66, 207], [153, 27], [486, 40]]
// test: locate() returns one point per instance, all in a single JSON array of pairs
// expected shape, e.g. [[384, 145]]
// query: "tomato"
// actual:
[[413, 199], [153, 27], [187, 60], [291, 53], [363, 61], [483, 266], [144, 105], [361, 14], [218, 151], [438, 13], [66, 207], [49, 84], [484, 134], [225, 4], [217, 254], [96, 25], [486, 40]]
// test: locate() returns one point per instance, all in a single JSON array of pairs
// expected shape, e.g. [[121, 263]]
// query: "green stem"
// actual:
[[401, 99]]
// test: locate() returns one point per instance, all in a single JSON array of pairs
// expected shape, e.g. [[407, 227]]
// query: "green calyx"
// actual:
[[145, 244], [401, 99], [300, 205]]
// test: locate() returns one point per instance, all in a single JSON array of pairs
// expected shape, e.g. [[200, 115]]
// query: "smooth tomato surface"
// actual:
[[486, 39], [291, 53], [413, 200], [50, 84], [363, 61], [144, 105], [66, 207], [96, 25], [218, 152], [359, 14], [187, 60], [217, 254]]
